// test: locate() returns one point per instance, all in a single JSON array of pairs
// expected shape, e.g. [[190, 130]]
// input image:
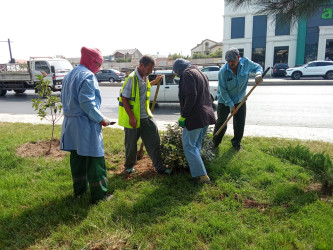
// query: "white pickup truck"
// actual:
[[20, 77], [168, 91]]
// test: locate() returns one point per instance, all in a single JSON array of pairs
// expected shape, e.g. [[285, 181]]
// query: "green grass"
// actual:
[[37, 209]]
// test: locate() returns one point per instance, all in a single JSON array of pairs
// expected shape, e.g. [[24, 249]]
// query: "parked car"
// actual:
[[211, 72], [315, 68], [279, 69], [111, 75], [168, 91]]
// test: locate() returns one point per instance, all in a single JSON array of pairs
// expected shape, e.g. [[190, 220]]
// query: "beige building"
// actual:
[[126, 54], [206, 47]]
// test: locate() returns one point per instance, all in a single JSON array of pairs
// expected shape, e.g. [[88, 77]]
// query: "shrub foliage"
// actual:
[[172, 147]]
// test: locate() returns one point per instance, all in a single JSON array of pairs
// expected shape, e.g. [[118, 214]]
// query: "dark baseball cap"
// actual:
[[231, 54]]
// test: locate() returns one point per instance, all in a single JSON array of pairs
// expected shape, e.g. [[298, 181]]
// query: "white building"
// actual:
[[267, 41]]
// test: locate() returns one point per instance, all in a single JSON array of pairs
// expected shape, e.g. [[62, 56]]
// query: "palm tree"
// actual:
[[291, 10]]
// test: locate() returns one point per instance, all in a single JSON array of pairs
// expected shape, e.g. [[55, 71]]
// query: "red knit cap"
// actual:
[[89, 57]]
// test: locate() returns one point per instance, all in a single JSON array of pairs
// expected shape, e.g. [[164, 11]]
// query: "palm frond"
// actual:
[[292, 10]]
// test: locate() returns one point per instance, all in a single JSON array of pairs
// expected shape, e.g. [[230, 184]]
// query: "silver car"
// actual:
[[111, 75], [211, 72]]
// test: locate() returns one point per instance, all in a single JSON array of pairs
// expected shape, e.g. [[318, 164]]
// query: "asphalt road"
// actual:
[[303, 111]]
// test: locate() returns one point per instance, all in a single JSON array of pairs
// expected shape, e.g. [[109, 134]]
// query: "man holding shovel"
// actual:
[[233, 80], [136, 117]]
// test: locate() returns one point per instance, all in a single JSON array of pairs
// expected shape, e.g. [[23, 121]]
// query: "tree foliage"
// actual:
[[175, 56], [291, 10], [216, 54], [49, 107]]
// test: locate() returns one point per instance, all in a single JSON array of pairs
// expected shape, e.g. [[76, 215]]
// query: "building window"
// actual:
[[259, 39], [329, 50], [281, 54], [241, 52], [237, 27], [258, 56], [281, 27], [311, 44]]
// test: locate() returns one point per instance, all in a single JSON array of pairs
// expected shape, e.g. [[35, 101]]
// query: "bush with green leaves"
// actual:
[[49, 106], [172, 147]]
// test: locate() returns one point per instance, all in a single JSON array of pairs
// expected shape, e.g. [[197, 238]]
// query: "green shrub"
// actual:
[[172, 147]]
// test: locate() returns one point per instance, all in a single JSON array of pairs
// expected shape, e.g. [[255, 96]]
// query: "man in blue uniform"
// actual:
[[81, 129], [233, 80]]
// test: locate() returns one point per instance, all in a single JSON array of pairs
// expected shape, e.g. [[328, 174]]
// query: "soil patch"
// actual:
[[41, 148], [324, 193], [143, 168], [253, 204]]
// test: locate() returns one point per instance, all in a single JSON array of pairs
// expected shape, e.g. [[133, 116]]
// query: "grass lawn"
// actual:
[[260, 198]]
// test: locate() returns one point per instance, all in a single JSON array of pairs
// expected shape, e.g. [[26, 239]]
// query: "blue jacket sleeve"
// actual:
[[89, 102], [255, 67], [222, 91]]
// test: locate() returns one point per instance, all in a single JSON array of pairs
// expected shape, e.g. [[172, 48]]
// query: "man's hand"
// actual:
[[132, 121], [233, 110], [156, 80], [106, 122], [181, 121], [258, 78]]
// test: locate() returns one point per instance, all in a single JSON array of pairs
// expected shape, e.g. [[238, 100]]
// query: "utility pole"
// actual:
[[10, 50]]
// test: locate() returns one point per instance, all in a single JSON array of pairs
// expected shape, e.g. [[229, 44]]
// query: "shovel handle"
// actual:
[[239, 105]]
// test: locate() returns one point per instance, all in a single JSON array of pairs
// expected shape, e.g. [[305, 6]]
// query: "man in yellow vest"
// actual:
[[136, 118]]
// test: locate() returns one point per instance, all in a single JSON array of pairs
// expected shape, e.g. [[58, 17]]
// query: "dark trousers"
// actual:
[[238, 122], [149, 134], [89, 169]]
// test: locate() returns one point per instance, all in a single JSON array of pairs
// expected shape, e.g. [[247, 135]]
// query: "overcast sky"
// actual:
[[62, 27]]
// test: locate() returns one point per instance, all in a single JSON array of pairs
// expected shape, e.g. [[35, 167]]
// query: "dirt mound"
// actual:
[[41, 148], [143, 168]]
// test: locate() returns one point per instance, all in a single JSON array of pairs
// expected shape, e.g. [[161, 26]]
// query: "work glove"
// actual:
[[181, 121], [258, 78], [233, 110], [106, 122]]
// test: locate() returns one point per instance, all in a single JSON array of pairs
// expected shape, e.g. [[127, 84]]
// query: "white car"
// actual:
[[168, 91], [315, 68], [211, 72]]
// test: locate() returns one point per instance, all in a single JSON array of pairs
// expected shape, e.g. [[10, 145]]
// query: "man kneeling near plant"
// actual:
[[196, 114]]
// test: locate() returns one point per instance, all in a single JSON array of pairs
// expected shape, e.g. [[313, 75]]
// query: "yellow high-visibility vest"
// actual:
[[134, 102]]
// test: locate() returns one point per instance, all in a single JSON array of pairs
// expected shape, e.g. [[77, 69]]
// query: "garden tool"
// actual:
[[238, 107], [141, 152]]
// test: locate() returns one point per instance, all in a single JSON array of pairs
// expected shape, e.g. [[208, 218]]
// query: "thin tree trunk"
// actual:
[[51, 137]]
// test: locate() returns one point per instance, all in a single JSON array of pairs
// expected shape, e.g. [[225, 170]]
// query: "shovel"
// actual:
[[238, 107], [141, 152]]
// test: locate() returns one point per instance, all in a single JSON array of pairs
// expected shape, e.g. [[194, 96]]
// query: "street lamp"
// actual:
[[10, 51]]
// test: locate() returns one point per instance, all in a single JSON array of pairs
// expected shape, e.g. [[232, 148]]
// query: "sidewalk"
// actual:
[[302, 133]]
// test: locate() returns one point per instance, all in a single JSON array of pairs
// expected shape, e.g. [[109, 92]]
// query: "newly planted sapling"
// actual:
[[49, 106]]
